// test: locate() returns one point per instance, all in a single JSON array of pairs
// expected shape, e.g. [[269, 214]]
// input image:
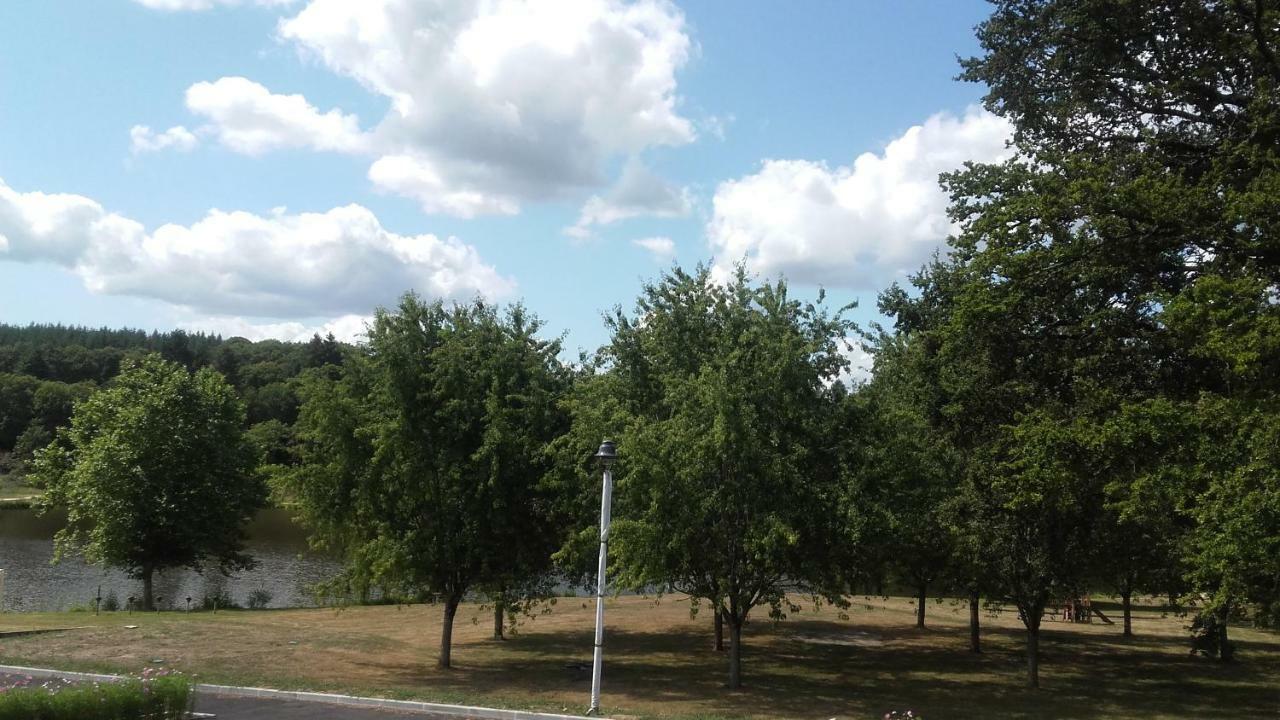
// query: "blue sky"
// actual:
[[519, 150]]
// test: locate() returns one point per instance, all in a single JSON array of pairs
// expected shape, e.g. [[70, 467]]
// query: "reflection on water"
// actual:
[[286, 568]]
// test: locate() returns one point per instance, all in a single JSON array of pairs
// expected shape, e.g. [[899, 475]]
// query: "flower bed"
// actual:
[[156, 695]]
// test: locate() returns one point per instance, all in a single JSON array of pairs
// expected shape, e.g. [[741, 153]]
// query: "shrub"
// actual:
[[222, 598], [110, 603], [156, 695], [259, 599]]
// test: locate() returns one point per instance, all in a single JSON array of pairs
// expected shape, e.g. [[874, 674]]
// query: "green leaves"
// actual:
[[1102, 336], [154, 472], [422, 460], [719, 395]]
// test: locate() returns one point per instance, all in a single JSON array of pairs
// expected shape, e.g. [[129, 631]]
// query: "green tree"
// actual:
[[908, 470], [17, 395], [1145, 530], [720, 397], [154, 473], [323, 351], [1141, 195], [270, 440], [53, 402], [422, 457], [272, 401]]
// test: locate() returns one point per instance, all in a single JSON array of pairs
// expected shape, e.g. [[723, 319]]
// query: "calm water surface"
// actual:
[[286, 568]]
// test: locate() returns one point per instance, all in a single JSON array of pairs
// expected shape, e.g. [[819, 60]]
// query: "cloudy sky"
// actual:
[[268, 168]]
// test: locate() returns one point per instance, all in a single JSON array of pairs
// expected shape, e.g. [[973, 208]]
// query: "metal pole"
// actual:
[[605, 502]]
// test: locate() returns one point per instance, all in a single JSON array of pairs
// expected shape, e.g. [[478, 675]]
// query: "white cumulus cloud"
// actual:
[[347, 328], [858, 226], [861, 362], [491, 104], [420, 179], [498, 103], [143, 139], [663, 249], [638, 192], [250, 119], [328, 264]]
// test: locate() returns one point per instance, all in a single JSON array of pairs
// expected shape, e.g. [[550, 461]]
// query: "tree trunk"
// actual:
[[921, 597], [1126, 599], [498, 617], [148, 602], [446, 632], [1226, 652], [1033, 656], [735, 653], [975, 640], [719, 624]]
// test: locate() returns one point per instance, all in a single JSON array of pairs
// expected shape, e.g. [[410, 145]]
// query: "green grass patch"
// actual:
[[151, 697]]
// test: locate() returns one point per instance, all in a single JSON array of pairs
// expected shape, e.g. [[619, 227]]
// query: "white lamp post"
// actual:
[[606, 455]]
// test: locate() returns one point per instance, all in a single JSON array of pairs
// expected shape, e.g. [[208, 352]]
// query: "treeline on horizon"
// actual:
[[46, 368]]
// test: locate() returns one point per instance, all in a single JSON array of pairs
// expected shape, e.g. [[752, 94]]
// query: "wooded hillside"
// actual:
[[45, 369]]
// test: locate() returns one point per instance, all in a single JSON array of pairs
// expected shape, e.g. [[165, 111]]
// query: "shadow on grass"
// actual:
[[820, 669]]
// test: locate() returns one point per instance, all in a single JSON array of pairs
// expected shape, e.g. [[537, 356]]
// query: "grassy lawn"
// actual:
[[659, 662], [11, 488]]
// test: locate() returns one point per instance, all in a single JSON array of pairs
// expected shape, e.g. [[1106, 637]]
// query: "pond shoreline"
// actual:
[[286, 570]]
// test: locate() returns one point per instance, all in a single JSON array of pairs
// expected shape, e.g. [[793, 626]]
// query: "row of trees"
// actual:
[[450, 457], [1098, 350], [1081, 394]]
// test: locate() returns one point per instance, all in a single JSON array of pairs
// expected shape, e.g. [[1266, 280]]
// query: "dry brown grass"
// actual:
[[659, 661]]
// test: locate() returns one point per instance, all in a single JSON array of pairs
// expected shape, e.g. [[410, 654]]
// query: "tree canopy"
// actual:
[[721, 398], [1124, 258], [422, 458], [155, 473]]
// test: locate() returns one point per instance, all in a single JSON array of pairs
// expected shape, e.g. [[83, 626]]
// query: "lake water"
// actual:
[[286, 568]]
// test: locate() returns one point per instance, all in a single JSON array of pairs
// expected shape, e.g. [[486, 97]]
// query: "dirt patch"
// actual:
[[851, 639]]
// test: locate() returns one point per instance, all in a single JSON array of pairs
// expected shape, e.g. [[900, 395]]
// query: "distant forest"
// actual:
[[45, 369]]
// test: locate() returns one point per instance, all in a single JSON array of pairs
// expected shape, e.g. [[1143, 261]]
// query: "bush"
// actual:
[[157, 695], [110, 603], [259, 599], [219, 600]]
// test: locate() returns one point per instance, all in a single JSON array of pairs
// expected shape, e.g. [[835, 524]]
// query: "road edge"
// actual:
[[481, 713]]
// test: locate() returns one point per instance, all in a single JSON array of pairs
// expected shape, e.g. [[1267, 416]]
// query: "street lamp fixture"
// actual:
[[606, 456]]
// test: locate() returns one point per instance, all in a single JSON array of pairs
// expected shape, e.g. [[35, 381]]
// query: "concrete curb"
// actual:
[[481, 713]]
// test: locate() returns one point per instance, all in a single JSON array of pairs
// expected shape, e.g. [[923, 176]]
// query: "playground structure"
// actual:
[[1079, 610]]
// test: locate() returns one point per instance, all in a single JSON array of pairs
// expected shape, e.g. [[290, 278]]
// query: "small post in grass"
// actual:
[[605, 456], [188, 603], [97, 600]]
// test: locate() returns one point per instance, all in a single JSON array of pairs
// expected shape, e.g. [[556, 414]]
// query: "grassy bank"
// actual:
[[659, 662], [16, 491]]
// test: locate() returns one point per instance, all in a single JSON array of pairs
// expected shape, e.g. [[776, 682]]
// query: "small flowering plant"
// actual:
[[903, 715], [157, 694]]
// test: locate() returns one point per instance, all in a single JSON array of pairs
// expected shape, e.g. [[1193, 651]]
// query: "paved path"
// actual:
[[244, 708]]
